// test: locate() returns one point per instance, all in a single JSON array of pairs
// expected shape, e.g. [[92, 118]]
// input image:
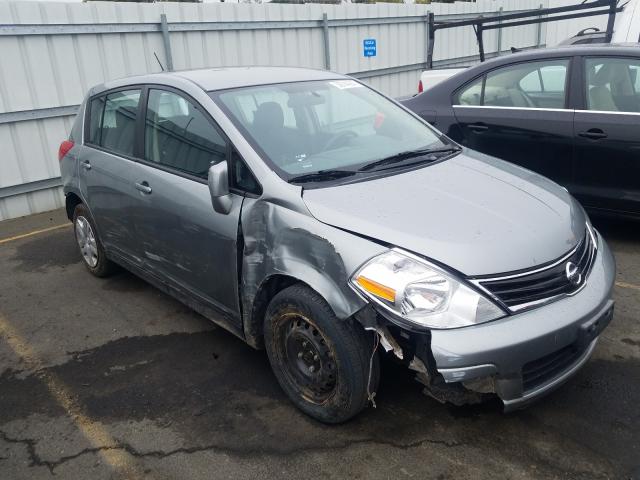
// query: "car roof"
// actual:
[[586, 49], [234, 77], [210, 79]]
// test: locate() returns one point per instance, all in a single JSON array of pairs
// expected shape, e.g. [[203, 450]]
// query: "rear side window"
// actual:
[[119, 121], [112, 121], [179, 136], [540, 84]]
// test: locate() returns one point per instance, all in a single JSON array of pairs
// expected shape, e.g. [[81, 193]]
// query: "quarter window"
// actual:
[[95, 120], [179, 136], [525, 85], [613, 84]]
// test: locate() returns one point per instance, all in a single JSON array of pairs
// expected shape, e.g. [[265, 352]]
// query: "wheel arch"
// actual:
[[341, 306], [72, 200]]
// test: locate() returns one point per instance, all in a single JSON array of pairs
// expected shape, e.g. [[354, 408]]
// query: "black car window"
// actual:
[[179, 136], [119, 121], [540, 84], [613, 84]]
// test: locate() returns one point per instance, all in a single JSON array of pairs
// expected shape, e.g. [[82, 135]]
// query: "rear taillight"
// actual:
[[420, 88], [64, 149]]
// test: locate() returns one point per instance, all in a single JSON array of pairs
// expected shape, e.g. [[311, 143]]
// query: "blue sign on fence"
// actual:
[[369, 45]]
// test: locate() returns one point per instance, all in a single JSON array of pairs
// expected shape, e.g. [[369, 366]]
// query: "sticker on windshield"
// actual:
[[344, 84]]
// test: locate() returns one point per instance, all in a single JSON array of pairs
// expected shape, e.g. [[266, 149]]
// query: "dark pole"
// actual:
[[479, 30], [611, 20], [431, 36]]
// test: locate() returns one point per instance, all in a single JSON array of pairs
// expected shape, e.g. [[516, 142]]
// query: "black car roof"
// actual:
[[552, 52], [571, 50]]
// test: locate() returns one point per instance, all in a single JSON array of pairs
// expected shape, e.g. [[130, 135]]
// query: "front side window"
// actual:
[[613, 84], [119, 121], [309, 127], [540, 84], [179, 136]]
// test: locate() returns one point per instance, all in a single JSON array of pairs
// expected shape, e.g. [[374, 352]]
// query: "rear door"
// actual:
[[107, 167], [184, 241], [607, 134], [520, 113]]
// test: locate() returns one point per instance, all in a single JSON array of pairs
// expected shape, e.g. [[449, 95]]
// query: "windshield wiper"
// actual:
[[322, 175], [431, 155]]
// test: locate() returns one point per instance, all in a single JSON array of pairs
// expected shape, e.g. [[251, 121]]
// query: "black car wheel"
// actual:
[[325, 365]]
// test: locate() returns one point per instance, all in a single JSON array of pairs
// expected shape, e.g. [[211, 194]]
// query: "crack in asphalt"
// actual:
[[36, 460]]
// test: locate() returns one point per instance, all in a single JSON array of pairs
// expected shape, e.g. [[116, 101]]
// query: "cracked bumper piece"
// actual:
[[529, 354]]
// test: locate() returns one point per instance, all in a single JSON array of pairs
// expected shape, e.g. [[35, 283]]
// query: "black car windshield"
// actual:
[[303, 128]]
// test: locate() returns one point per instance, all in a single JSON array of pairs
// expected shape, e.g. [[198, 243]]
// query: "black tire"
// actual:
[[326, 377], [103, 267]]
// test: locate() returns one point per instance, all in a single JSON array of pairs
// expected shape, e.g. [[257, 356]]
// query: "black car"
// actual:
[[569, 113]]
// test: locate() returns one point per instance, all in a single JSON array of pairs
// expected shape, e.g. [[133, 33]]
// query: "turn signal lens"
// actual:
[[377, 289]]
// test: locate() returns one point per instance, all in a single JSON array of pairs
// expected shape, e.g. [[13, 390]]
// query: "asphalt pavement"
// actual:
[[110, 378]]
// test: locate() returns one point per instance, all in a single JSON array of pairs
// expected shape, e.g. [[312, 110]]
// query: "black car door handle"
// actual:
[[143, 187], [593, 134], [86, 165], [478, 127]]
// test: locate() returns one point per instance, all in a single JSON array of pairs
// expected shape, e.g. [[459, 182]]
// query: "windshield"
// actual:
[[304, 128]]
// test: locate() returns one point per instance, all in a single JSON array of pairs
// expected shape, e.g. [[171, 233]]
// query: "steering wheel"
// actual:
[[339, 140]]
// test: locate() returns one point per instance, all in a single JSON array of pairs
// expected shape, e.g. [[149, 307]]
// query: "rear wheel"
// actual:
[[325, 365], [89, 244]]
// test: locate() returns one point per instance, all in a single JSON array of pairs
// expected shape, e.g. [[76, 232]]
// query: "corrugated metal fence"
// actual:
[[51, 53]]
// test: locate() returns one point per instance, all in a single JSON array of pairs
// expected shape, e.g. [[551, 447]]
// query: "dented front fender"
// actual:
[[284, 239]]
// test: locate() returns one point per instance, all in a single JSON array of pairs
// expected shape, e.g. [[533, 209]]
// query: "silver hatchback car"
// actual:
[[314, 217]]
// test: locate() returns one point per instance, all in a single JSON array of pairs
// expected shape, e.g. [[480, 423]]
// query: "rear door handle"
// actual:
[[143, 187], [86, 165], [478, 127], [593, 134]]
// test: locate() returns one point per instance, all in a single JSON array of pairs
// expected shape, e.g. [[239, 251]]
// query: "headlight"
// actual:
[[421, 293]]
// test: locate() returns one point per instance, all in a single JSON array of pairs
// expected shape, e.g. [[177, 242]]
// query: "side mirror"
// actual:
[[218, 181]]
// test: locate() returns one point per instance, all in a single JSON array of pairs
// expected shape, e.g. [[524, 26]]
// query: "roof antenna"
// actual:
[[159, 62]]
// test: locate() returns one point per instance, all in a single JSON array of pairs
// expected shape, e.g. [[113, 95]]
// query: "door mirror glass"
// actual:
[[218, 180]]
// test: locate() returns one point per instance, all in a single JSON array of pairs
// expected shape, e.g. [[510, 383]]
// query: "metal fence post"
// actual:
[[539, 30], [325, 38], [499, 34], [164, 27]]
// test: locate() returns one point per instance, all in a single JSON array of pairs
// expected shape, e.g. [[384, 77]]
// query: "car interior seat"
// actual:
[[600, 96]]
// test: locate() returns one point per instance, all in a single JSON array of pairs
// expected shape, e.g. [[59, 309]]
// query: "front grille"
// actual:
[[546, 368], [536, 286]]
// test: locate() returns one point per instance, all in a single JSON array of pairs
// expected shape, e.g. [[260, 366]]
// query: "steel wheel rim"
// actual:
[[86, 241], [308, 357]]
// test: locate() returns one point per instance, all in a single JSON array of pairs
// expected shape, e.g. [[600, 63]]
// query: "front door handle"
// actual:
[[86, 165], [478, 127], [143, 187], [593, 134]]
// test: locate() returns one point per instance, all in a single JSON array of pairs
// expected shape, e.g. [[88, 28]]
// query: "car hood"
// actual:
[[476, 214]]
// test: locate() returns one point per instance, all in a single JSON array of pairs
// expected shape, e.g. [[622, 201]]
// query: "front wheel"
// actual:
[[325, 365]]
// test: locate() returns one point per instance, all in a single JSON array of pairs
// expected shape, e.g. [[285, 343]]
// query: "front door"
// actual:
[[607, 135], [184, 241], [107, 167], [519, 113]]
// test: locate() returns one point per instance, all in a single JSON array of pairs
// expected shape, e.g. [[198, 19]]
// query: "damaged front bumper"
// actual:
[[521, 357]]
